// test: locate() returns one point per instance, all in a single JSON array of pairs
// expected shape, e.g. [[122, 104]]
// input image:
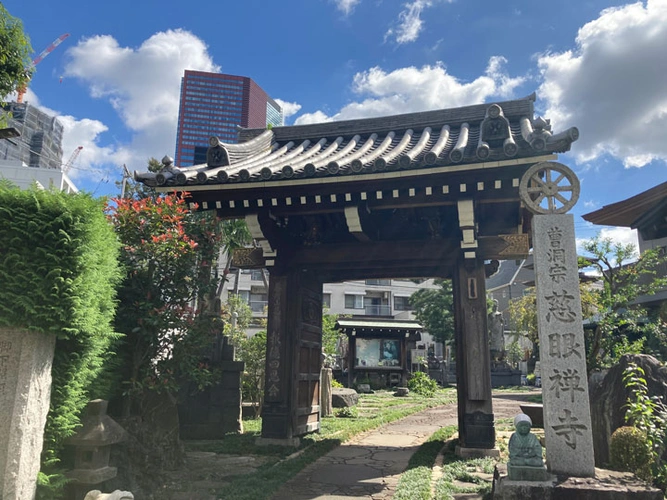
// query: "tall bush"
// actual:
[[58, 271], [167, 308]]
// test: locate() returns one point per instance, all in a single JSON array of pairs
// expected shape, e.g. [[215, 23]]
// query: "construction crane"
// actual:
[[71, 160], [38, 60]]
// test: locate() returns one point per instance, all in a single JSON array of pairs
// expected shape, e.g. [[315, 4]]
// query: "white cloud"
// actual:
[[142, 85], [622, 235], [289, 108], [410, 89], [316, 117], [410, 23], [612, 87], [346, 6]]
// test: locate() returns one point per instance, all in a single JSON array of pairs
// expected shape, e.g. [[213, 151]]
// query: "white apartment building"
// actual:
[[380, 298]]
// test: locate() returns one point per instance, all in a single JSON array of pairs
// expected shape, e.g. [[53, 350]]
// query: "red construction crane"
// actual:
[[39, 59], [71, 160]]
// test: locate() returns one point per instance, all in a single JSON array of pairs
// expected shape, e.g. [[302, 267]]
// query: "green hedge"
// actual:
[[59, 270]]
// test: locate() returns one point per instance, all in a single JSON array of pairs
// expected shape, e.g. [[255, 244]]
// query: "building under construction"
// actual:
[[40, 142]]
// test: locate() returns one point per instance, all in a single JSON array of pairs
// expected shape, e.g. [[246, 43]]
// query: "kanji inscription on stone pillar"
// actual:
[[567, 419]]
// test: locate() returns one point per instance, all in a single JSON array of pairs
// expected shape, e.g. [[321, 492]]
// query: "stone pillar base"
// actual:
[[463, 452], [25, 389], [606, 485], [291, 442]]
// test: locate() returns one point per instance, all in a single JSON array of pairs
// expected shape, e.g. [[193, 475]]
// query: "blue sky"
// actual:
[[597, 65]]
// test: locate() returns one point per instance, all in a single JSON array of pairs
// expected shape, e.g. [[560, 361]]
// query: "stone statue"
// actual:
[[524, 447], [496, 333]]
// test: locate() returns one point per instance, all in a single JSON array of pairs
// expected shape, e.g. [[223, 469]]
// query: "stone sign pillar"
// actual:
[[549, 190], [567, 417], [25, 391]]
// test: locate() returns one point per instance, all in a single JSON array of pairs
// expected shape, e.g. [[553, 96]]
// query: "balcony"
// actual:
[[377, 310], [378, 282]]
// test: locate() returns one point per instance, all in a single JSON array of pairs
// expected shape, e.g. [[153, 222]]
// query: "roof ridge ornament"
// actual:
[[217, 154]]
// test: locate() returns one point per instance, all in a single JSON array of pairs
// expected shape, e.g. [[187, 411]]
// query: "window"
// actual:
[[354, 301], [256, 275], [326, 299], [258, 301], [402, 304]]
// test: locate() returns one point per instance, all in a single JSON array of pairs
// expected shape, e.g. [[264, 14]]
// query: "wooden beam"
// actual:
[[388, 257]]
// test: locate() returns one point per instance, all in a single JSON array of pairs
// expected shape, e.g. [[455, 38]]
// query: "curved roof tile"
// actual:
[[468, 135]]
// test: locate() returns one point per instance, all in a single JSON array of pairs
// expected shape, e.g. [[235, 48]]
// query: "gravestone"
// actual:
[[25, 390], [567, 419]]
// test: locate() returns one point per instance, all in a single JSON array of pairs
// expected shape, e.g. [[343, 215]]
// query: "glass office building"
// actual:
[[217, 104]]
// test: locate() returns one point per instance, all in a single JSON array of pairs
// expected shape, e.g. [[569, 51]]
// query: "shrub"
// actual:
[[336, 383], [422, 384], [630, 452], [58, 273]]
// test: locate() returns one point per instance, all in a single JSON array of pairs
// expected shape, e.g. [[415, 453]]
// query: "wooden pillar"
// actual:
[[293, 357], [351, 354], [473, 374]]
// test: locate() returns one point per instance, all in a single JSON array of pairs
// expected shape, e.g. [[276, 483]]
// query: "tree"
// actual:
[[619, 323], [252, 351], [434, 309], [15, 53], [164, 310], [330, 335]]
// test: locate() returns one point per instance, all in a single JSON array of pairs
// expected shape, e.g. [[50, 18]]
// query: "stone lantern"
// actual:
[[92, 446]]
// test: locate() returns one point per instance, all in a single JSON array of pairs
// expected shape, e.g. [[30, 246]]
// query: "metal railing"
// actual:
[[378, 310], [378, 282]]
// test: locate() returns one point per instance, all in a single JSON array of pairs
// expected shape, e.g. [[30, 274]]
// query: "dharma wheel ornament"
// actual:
[[549, 188]]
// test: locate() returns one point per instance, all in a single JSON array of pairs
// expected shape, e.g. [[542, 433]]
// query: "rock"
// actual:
[[608, 397], [535, 412], [364, 388], [116, 495], [402, 391], [342, 397]]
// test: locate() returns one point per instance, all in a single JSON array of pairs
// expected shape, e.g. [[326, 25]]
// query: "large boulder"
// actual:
[[342, 397], [608, 397]]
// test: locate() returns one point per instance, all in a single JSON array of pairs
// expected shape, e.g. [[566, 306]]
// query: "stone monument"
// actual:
[[502, 374], [567, 418], [496, 333], [25, 391], [549, 190]]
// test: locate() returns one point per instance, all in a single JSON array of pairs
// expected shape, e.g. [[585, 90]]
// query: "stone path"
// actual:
[[368, 466]]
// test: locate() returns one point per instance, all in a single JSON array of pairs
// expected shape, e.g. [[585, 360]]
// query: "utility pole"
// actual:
[[126, 175]]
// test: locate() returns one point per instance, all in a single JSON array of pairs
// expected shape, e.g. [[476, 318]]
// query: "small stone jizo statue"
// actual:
[[524, 447]]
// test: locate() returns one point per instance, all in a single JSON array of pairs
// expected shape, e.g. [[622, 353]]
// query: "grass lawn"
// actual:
[[283, 463]]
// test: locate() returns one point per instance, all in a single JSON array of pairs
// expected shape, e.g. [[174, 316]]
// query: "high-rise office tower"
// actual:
[[217, 104]]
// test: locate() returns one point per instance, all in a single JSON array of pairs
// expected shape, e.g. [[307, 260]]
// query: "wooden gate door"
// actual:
[[307, 357]]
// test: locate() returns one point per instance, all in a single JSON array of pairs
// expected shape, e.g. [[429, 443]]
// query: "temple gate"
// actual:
[[430, 194]]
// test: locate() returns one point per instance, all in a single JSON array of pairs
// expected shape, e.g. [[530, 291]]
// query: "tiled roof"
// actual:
[[468, 135], [627, 212], [345, 323]]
